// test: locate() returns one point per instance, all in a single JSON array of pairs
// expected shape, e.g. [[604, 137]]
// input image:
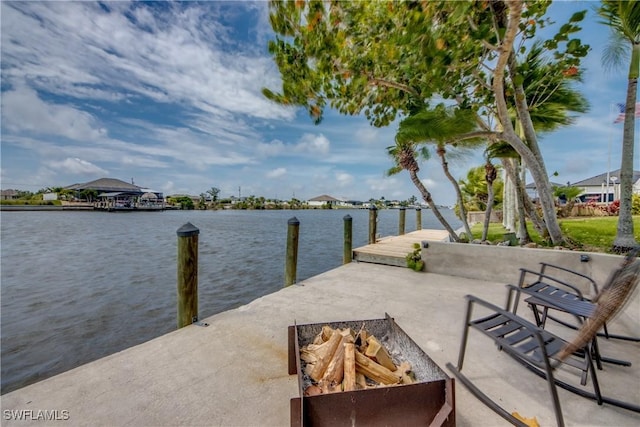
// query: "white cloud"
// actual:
[[314, 144], [23, 110], [270, 149], [276, 173], [368, 135], [74, 165], [344, 179], [168, 187], [173, 55], [307, 144]]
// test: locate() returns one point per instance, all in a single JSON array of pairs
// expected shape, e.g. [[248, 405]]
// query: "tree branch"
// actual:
[[381, 82]]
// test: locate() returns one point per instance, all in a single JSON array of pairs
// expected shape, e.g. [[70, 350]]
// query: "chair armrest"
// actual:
[[567, 270], [524, 322], [541, 275], [546, 299]]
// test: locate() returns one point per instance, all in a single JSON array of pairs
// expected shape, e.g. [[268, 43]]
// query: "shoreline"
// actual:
[[18, 208]]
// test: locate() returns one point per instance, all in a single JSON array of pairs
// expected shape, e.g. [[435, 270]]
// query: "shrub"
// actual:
[[614, 207], [414, 258], [635, 204]]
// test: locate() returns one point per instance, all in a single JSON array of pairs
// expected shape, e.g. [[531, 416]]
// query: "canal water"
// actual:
[[78, 286]]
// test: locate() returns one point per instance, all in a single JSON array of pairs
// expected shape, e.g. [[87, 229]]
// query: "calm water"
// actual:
[[77, 286]]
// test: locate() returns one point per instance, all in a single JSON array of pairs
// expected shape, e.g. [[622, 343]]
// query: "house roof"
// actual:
[[598, 180], [108, 185], [324, 198]]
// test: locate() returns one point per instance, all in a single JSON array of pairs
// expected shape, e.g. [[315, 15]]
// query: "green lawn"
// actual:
[[593, 234]]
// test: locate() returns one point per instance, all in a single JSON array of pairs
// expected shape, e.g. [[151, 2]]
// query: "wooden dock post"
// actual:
[[347, 254], [187, 274], [401, 221], [291, 261], [373, 222], [418, 219]]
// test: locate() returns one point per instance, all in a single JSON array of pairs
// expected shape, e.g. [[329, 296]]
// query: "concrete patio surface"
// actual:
[[234, 372]]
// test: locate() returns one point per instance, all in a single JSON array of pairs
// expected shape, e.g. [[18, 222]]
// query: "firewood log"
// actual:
[[324, 353], [379, 353], [374, 370], [361, 381], [349, 381], [335, 369]]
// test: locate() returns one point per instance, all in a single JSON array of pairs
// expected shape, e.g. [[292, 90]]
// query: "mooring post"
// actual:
[[373, 220], [403, 215], [187, 274], [348, 240], [291, 261], [418, 219]]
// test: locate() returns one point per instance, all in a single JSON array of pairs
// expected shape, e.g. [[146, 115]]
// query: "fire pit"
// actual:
[[427, 400]]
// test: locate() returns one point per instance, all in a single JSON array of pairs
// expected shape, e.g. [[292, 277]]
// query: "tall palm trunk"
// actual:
[[529, 152], [490, 175], [463, 211], [511, 167], [625, 240], [509, 201], [407, 161], [427, 198]]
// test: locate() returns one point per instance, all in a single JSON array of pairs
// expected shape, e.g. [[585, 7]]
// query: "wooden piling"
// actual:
[[401, 221], [373, 223], [291, 261], [187, 275], [347, 254], [418, 219]]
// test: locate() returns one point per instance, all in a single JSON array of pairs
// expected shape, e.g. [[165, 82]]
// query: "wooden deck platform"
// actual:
[[393, 250]]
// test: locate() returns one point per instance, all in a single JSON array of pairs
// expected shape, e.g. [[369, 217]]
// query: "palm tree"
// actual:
[[623, 18], [214, 191], [404, 155], [440, 126], [551, 101]]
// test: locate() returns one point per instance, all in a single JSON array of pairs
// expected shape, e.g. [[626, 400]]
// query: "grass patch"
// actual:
[[30, 202], [592, 234]]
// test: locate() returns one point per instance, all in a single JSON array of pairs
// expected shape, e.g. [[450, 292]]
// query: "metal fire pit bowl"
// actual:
[[430, 401]]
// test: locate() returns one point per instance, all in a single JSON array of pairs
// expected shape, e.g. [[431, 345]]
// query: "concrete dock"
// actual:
[[234, 371]]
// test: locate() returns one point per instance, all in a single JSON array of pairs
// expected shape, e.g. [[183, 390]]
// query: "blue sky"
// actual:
[[168, 94]]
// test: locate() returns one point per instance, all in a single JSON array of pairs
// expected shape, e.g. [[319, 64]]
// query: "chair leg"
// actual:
[[594, 377], [484, 398], [465, 335], [554, 395]]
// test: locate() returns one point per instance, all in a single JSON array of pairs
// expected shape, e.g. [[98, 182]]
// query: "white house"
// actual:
[[325, 200], [596, 189]]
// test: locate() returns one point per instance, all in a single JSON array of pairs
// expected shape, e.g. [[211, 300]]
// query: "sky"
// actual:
[[168, 96]]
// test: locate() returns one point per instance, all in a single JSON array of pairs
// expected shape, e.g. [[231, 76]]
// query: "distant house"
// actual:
[[115, 194], [595, 189], [9, 195], [325, 200], [532, 190], [106, 185]]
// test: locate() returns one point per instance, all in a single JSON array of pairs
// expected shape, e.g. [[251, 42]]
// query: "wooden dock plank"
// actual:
[[393, 250]]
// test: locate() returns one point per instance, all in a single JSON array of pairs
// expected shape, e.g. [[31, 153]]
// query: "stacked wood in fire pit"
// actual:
[[342, 360]]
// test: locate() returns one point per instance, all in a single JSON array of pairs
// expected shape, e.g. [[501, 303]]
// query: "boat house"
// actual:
[[116, 195]]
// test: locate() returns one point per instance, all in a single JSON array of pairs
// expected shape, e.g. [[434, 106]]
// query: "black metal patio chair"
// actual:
[[565, 296], [525, 342], [541, 351]]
